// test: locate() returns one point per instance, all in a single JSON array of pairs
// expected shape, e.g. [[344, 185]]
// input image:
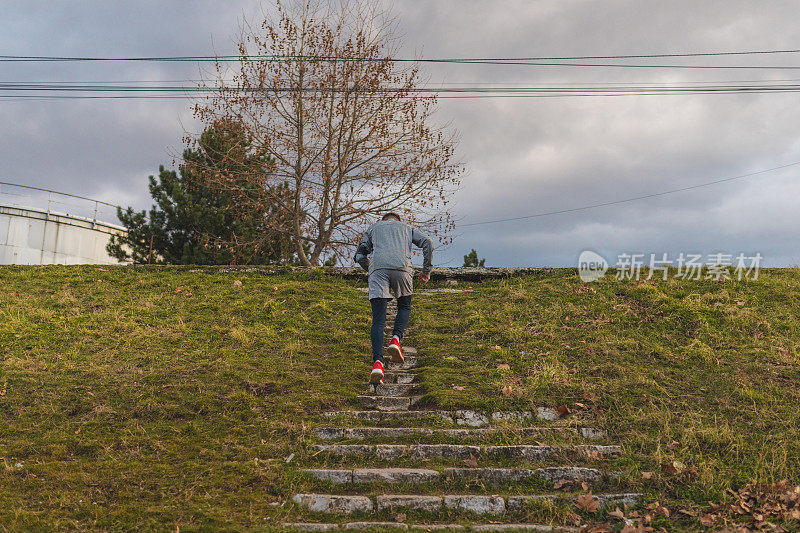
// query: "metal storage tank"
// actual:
[[33, 236]]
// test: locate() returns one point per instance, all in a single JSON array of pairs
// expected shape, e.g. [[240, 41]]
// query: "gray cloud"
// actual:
[[524, 156]]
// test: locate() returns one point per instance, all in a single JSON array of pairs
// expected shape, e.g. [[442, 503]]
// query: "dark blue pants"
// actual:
[[379, 322]]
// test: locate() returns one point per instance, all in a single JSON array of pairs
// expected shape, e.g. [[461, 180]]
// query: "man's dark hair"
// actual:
[[391, 214]]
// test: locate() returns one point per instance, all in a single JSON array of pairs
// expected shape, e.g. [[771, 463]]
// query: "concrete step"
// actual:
[[388, 403], [474, 503], [399, 377], [330, 433], [390, 389], [316, 526], [332, 503], [382, 416], [524, 452], [408, 363], [553, 474], [524, 527], [408, 351], [461, 417], [621, 500], [496, 476], [340, 476]]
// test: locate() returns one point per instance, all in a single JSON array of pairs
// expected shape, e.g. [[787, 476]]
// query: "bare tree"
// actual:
[[319, 93]]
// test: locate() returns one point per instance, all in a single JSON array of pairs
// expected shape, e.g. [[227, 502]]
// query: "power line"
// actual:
[[237, 57], [554, 61], [44, 91], [615, 202]]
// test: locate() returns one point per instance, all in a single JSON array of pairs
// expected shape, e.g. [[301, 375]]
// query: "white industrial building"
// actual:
[[41, 236]]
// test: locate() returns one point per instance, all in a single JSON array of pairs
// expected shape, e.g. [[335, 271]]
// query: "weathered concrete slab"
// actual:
[[388, 403], [379, 416], [476, 503], [393, 451], [516, 503], [310, 526], [404, 377], [630, 499], [393, 433], [330, 433], [541, 413], [492, 475], [465, 417], [390, 389], [523, 527], [329, 503], [505, 475], [400, 377], [328, 474], [464, 451], [525, 452], [360, 450], [370, 525], [595, 450], [368, 416], [405, 501], [394, 475], [438, 527], [538, 453], [409, 363], [554, 474], [592, 433], [513, 416]]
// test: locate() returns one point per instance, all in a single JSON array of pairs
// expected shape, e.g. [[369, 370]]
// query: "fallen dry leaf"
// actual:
[[237, 283], [647, 475], [472, 462], [459, 387], [507, 390], [617, 513], [673, 468], [503, 366], [497, 347], [562, 410], [586, 502]]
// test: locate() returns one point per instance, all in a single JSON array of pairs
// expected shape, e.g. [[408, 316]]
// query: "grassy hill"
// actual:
[[164, 397]]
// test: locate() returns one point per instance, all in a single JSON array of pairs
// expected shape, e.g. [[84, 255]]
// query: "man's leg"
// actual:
[[403, 314], [378, 325]]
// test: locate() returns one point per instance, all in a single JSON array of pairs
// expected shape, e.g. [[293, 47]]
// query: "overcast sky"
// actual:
[[523, 156]]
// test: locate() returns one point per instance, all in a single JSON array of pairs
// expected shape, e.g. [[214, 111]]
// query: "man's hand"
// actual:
[[424, 278]]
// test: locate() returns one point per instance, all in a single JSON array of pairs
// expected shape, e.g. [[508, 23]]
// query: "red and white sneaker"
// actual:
[[376, 376], [395, 351]]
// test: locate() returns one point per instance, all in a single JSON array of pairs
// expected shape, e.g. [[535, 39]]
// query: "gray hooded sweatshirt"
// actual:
[[389, 242]]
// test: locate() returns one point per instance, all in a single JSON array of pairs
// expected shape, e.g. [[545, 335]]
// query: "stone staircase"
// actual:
[[391, 466]]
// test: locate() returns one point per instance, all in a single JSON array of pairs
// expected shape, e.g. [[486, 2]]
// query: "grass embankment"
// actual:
[[138, 398]]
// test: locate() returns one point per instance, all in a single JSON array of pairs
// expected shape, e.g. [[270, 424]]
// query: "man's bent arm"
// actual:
[[424, 242], [363, 250]]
